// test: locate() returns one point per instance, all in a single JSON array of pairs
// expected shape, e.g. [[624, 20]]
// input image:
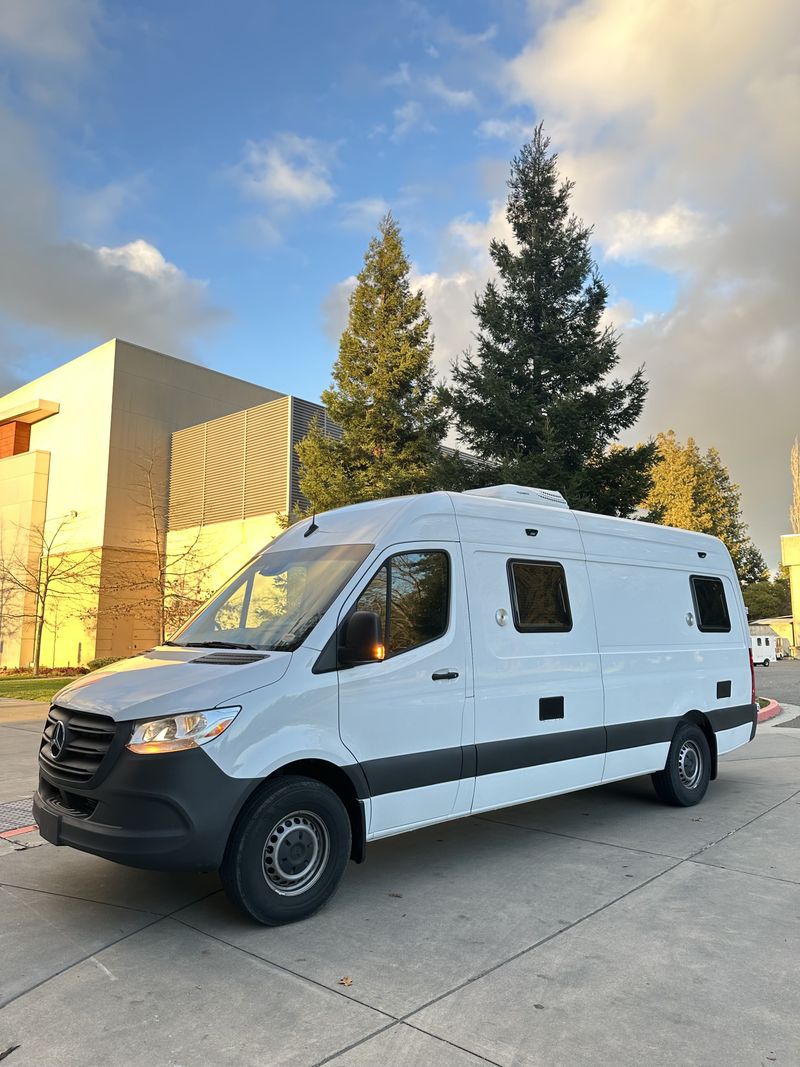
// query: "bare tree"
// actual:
[[149, 580], [794, 466], [39, 570]]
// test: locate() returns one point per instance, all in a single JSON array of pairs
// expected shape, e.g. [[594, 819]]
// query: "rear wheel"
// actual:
[[685, 777], [766, 663], [288, 851]]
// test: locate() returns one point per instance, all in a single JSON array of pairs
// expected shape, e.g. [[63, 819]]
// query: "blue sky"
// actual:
[[204, 178]]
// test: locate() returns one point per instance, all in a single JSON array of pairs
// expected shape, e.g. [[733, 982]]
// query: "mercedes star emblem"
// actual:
[[59, 739]]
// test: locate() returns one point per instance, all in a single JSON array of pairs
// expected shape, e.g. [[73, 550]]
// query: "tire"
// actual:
[[287, 852], [766, 663], [685, 778]]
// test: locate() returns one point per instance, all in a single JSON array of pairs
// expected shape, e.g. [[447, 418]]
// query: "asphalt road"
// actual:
[[780, 680]]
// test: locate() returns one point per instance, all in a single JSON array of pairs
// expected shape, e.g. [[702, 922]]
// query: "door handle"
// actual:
[[444, 676]]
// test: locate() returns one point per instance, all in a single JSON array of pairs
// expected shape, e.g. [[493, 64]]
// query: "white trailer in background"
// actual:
[[764, 643]]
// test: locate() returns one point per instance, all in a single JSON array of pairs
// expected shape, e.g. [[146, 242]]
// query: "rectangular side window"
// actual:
[[766, 641], [758, 642], [710, 605], [539, 597]]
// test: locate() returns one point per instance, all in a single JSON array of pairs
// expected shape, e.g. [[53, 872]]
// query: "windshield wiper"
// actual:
[[218, 644]]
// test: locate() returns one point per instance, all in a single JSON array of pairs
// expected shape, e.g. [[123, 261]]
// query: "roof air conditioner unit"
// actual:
[[523, 493]]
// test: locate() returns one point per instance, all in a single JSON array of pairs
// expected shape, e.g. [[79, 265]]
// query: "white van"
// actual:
[[763, 649], [395, 664]]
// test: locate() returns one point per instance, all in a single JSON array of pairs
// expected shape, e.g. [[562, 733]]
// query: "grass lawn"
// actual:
[[31, 688]]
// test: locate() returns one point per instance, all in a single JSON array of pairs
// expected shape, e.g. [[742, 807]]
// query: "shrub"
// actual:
[[96, 664]]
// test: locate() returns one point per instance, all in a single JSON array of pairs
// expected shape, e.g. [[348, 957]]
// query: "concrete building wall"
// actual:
[[97, 424], [233, 482]]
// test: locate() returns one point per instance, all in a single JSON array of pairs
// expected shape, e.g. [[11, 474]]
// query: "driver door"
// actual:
[[403, 717]]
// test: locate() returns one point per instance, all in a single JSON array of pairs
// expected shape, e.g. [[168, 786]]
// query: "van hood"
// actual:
[[171, 681]]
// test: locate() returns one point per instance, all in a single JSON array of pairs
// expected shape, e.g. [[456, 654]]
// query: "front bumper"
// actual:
[[165, 812]]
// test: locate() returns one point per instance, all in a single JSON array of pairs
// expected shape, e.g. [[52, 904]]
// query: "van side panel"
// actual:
[[657, 664]]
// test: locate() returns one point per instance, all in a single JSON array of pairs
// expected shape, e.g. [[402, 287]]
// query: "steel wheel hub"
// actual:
[[690, 764], [296, 853]]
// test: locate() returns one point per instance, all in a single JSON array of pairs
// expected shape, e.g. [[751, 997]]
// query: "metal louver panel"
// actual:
[[224, 481], [187, 477], [267, 458], [242, 465], [303, 414]]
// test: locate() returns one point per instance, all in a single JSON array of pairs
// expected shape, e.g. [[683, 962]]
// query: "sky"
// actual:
[[203, 179]]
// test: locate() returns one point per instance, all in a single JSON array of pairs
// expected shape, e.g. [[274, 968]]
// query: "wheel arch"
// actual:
[[347, 783], [701, 720]]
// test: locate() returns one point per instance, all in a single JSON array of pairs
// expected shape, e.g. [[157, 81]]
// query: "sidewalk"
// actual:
[[597, 927]]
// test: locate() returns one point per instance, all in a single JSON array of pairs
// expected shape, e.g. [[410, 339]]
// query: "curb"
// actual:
[[770, 711]]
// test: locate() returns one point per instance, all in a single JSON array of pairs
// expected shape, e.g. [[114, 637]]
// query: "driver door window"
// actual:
[[410, 595]]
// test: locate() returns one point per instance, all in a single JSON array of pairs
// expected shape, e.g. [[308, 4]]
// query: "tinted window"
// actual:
[[410, 595], [710, 605], [539, 597], [758, 641], [766, 640]]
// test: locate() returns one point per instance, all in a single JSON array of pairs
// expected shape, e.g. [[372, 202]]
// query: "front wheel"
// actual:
[[287, 852], [685, 778], [766, 663]]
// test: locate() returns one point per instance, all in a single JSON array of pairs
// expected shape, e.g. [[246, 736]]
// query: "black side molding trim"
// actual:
[[394, 774]]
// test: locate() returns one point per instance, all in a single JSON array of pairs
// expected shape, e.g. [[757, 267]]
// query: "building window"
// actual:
[[410, 594], [710, 605], [539, 597]]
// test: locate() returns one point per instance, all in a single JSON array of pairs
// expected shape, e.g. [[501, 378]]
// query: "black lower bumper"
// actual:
[[164, 812]]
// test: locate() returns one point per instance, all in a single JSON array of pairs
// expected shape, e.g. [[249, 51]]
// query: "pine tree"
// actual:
[[383, 396], [535, 403], [695, 492]]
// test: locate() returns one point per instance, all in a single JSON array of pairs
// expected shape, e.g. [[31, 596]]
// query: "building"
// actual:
[[790, 558], [87, 452], [233, 481]]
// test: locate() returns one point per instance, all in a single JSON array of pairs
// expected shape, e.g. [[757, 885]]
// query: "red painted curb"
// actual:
[[770, 711], [19, 830]]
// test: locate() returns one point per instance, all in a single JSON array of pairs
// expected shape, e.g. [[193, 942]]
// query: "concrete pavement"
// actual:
[[599, 927]]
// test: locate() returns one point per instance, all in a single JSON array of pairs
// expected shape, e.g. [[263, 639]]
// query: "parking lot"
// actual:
[[595, 928]]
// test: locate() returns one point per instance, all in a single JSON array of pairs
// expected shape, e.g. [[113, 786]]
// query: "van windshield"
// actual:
[[275, 601]]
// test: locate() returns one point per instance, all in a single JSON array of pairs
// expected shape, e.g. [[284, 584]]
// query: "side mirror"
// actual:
[[363, 640]]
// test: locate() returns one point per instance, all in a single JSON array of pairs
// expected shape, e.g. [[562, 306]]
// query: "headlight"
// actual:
[[180, 731]]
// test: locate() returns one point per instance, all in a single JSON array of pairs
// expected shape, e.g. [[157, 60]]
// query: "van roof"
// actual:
[[469, 515]]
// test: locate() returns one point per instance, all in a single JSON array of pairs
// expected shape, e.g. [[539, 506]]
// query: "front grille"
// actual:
[[74, 804], [86, 741]]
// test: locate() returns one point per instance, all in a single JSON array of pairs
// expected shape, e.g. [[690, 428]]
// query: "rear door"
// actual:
[[403, 717]]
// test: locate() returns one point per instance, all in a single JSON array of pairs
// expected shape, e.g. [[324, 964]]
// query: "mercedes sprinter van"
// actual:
[[395, 664]]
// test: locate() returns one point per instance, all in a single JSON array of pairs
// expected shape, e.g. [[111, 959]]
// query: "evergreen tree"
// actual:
[[383, 395], [534, 403], [766, 600], [695, 492]]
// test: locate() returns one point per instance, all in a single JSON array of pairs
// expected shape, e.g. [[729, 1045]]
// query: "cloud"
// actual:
[[56, 31], [515, 130], [681, 129], [642, 235], [454, 98], [335, 308], [49, 281], [363, 215], [287, 171], [407, 117]]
